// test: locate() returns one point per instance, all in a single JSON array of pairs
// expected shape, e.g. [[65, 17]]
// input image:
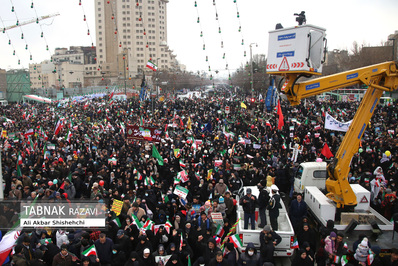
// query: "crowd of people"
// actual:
[[80, 150]]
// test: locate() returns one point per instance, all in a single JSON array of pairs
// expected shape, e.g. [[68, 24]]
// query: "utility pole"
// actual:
[[157, 82], [124, 66], [251, 68]]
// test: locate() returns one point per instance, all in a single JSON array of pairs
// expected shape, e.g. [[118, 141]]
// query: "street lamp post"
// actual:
[[124, 66], [393, 48], [251, 67], [157, 83]]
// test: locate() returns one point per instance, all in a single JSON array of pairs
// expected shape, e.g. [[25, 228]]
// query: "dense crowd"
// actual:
[[90, 157]]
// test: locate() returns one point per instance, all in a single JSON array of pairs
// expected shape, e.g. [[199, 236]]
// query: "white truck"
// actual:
[[285, 230], [310, 181]]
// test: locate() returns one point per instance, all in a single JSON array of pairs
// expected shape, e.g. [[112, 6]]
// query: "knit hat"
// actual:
[[364, 242], [221, 200], [333, 234], [267, 228]]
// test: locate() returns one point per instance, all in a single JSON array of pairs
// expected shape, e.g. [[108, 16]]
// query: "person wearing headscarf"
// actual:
[[301, 259]]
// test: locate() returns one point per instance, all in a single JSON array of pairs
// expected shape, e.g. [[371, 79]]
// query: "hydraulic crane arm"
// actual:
[[378, 78]]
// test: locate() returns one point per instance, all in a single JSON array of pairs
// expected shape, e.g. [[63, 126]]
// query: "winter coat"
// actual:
[[329, 245], [246, 260], [361, 253]]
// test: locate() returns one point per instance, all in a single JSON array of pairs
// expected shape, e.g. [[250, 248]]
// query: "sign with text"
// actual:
[[333, 124], [143, 133], [181, 192], [117, 207], [217, 218], [63, 215]]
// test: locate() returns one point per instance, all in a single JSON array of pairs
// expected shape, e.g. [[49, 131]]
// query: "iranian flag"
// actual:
[[148, 225], [336, 259], [134, 171], [139, 176], [136, 221], [68, 135], [197, 175], [117, 222], [9, 240], [183, 176], [28, 133], [181, 241], [236, 240], [220, 230], [44, 151], [295, 244], [344, 260], [177, 180], [19, 171], [90, 251], [168, 224], [284, 146], [151, 65], [217, 163], [122, 128], [182, 164], [45, 241], [141, 121], [317, 127], [19, 158], [7, 243], [149, 181], [58, 127]]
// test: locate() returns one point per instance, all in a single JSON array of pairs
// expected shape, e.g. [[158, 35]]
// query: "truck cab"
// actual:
[[310, 174]]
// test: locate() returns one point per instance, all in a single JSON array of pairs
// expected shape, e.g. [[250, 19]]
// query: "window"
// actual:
[[320, 174]]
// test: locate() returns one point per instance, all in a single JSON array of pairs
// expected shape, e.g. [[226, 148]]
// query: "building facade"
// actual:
[[129, 33]]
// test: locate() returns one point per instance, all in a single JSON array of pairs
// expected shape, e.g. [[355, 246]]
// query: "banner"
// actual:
[[143, 133], [333, 124], [117, 207], [181, 192]]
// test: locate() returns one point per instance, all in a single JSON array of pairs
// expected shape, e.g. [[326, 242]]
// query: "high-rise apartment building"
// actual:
[[129, 33]]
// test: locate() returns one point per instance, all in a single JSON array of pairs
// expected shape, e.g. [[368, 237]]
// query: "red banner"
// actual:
[[143, 133]]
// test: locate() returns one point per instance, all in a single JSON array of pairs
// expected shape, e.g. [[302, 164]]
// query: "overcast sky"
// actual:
[[365, 21]]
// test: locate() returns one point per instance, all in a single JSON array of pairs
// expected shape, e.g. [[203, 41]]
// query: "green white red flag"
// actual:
[[136, 221], [236, 240], [151, 65], [90, 251], [220, 230]]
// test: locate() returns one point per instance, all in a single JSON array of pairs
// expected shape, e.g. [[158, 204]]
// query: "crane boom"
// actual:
[[29, 22], [298, 52], [379, 78]]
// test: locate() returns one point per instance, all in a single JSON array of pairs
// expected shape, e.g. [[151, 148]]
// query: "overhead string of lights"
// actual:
[[144, 25], [222, 41], [9, 42], [203, 40], [240, 28], [42, 32], [85, 20], [22, 34]]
